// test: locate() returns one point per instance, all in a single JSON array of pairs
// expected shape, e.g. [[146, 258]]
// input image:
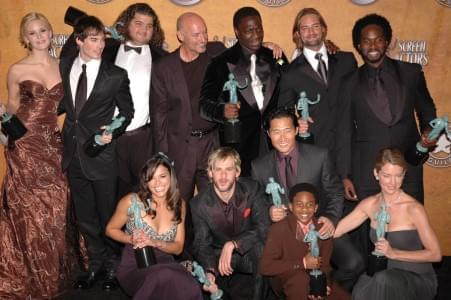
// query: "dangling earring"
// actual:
[[377, 177]]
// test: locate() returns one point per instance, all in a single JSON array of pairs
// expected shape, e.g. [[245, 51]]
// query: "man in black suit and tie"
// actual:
[[141, 48], [305, 74], [292, 162], [249, 62], [230, 222], [380, 100], [93, 89]]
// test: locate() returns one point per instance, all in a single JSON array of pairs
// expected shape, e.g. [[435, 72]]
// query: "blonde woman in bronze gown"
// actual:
[[35, 254]]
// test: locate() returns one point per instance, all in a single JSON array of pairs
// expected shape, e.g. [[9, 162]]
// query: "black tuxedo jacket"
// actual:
[[213, 98], [209, 221], [361, 133], [314, 167], [111, 90], [299, 76]]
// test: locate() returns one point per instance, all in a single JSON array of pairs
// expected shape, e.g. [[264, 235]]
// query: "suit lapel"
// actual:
[[399, 100], [99, 84], [270, 83], [241, 200], [181, 89], [306, 68], [241, 73], [66, 66], [302, 163]]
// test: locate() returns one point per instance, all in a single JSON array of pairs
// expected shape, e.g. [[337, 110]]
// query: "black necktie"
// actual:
[[290, 176], [128, 48], [383, 102], [322, 70], [82, 90]]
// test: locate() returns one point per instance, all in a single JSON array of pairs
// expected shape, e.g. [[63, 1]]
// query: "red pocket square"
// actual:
[[247, 212]]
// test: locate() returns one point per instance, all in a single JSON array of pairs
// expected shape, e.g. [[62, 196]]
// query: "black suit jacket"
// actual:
[[111, 89], [208, 217], [170, 106], [361, 133], [213, 98], [315, 167], [300, 76]]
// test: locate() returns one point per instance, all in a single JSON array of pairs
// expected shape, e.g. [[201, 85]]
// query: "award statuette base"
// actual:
[[13, 127], [416, 155], [306, 138], [232, 132], [217, 295], [376, 262], [318, 283], [92, 147], [145, 257]]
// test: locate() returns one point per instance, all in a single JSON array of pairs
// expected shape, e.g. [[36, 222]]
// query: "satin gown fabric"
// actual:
[[36, 253]]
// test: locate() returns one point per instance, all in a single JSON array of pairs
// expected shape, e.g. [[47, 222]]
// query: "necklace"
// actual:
[[396, 201]]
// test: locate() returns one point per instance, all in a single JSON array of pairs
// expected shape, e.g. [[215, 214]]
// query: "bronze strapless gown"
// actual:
[[36, 253]]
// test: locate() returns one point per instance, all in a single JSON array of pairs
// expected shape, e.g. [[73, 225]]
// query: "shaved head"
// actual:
[[192, 33]]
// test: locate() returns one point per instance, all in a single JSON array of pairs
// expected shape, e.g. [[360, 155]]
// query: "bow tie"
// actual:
[[128, 48]]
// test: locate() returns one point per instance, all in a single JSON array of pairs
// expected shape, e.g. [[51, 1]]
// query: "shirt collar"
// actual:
[[310, 54]]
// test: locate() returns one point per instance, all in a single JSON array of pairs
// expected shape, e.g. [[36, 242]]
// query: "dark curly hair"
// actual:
[[128, 14], [173, 199], [242, 13], [370, 20]]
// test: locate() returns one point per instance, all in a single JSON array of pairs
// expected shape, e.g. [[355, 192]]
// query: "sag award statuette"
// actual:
[[232, 128], [13, 127], [145, 256], [302, 108], [94, 145], [199, 273], [417, 154], [377, 261], [318, 282], [274, 189]]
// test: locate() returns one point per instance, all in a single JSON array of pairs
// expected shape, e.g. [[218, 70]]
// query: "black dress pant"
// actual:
[[94, 202]]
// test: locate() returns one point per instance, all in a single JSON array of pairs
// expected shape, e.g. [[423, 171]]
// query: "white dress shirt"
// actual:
[[310, 56], [92, 69], [139, 67]]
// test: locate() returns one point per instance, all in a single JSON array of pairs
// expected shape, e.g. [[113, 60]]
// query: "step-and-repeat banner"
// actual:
[[421, 34]]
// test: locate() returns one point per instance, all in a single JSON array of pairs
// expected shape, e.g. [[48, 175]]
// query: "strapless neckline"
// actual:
[[40, 84]]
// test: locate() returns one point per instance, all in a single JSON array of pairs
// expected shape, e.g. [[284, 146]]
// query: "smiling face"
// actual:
[[193, 34], [311, 32], [282, 133], [250, 33], [373, 45], [303, 207], [224, 174], [37, 35], [160, 183], [92, 46], [140, 29], [390, 178]]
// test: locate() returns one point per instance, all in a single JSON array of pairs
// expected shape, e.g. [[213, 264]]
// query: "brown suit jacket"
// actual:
[[170, 106], [282, 259]]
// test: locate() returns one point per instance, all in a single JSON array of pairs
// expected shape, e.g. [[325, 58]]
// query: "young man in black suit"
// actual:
[[94, 88], [379, 103], [303, 74], [230, 222], [256, 99]]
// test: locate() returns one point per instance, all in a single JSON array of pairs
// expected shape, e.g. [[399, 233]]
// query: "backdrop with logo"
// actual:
[[422, 34]]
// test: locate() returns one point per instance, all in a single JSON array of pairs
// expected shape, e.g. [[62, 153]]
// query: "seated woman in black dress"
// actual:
[[410, 243], [163, 216]]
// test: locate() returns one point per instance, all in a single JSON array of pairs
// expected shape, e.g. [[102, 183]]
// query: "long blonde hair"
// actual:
[[32, 16]]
